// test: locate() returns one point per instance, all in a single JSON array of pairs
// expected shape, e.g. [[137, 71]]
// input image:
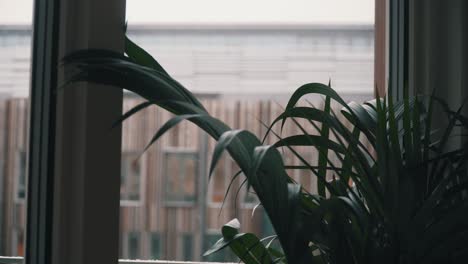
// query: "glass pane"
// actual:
[[181, 180], [218, 182], [187, 240], [175, 171], [15, 60], [156, 246], [242, 61], [131, 177], [133, 245], [189, 176]]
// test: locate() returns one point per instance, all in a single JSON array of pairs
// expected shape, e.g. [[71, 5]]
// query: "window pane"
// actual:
[[173, 181], [133, 245], [15, 60], [20, 175], [218, 182], [181, 181], [131, 177], [189, 176], [187, 241], [243, 71], [156, 246]]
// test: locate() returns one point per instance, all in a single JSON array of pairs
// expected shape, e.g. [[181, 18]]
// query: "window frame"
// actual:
[[59, 228], [42, 123], [398, 58]]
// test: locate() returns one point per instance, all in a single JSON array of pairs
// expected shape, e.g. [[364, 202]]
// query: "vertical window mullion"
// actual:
[[73, 190], [398, 47], [42, 122]]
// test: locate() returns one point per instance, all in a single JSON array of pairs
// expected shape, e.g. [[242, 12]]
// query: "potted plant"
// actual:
[[400, 199]]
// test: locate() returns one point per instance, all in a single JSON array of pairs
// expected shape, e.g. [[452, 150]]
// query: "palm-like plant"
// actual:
[[402, 199]]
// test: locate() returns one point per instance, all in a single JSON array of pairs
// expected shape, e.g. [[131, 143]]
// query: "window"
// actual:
[[156, 245], [257, 67], [15, 66], [181, 168], [21, 175], [133, 245], [244, 70], [131, 179], [187, 244], [219, 182]]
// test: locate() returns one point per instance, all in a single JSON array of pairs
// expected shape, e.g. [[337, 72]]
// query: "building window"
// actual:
[[131, 179], [20, 177], [219, 182], [156, 245], [187, 243], [180, 174], [133, 245]]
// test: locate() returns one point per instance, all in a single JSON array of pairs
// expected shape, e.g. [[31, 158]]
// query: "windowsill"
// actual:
[[125, 261], [179, 204], [129, 203], [19, 260]]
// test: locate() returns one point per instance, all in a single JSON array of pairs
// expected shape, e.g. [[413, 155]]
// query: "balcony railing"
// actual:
[[19, 260]]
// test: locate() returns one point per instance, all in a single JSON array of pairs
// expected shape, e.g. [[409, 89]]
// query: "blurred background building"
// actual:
[[241, 73]]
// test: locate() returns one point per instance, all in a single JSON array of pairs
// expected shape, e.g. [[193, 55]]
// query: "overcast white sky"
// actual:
[[223, 11]]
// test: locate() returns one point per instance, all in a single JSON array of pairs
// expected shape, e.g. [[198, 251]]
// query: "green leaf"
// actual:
[[169, 124], [223, 142], [131, 112], [323, 151], [246, 246], [141, 57]]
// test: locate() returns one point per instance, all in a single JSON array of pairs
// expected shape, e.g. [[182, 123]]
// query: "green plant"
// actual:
[[403, 199]]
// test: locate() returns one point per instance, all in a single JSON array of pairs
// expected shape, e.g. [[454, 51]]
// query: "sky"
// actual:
[[223, 12]]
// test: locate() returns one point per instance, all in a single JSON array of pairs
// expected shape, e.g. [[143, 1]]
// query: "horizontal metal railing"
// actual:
[[19, 260]]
